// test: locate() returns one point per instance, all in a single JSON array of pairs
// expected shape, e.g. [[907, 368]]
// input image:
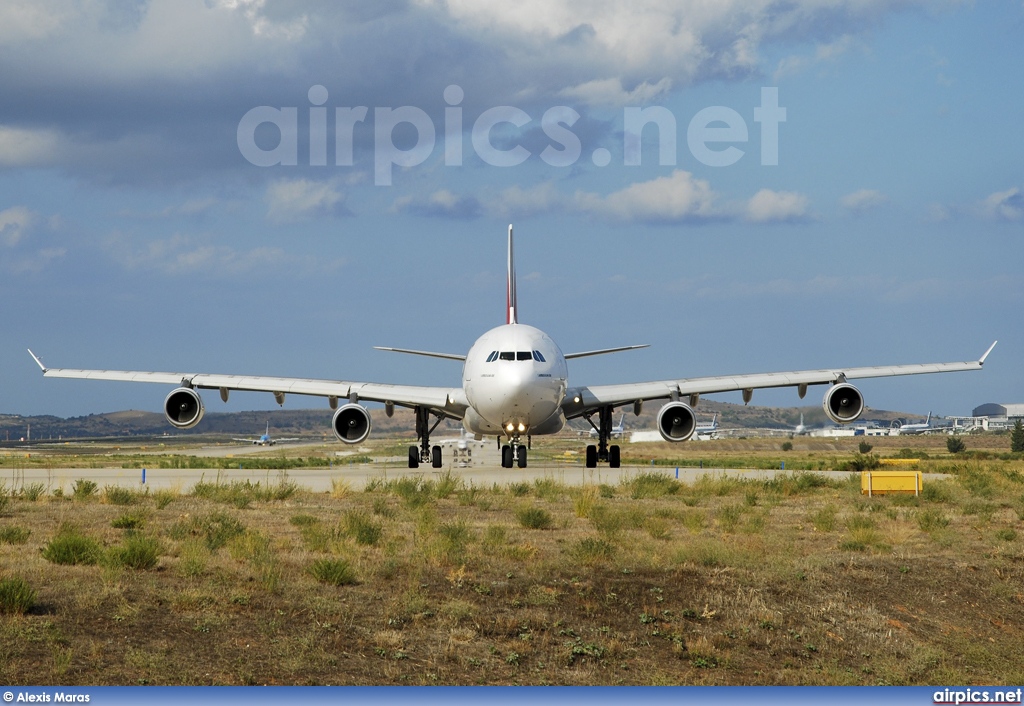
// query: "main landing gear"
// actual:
[[424, 453], [514, 453], [603, 452]]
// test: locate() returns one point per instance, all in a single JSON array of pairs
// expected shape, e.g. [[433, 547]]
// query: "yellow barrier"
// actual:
[[890, 482], [899, 461]]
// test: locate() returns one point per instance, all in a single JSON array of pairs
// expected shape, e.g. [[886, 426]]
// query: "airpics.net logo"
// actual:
[[712, 135]]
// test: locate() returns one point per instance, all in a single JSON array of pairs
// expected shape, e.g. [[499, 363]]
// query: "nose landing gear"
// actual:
[[514, 453], [603, 452]]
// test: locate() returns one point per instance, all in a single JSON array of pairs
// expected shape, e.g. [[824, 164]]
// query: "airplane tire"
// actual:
[[435, 457], [414, 457], [591, 456], [506, 456], [522, 457], [613, 457]]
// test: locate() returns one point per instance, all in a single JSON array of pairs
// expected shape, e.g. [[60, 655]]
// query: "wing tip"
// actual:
[[36, 359], [981, 360]]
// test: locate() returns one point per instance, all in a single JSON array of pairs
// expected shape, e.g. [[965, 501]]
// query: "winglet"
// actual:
[[981, 360], [36, 359], [510, 295]]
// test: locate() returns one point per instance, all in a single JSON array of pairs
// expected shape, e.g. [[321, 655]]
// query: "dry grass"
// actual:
[[421, 582]]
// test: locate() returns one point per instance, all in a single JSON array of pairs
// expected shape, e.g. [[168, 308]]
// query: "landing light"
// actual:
[[522, 427], [510, 426]]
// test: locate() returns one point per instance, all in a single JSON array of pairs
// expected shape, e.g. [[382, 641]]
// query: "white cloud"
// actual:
[[299, 199], [1004, 205], [609, 91], [14, 223], [442, 203], [863, 200], [676, 197], [20, 147], [186, 254], [768, 206]]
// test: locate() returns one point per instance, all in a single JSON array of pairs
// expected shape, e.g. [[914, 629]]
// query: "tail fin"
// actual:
[[929, 419], [268, 427], [510, 294]]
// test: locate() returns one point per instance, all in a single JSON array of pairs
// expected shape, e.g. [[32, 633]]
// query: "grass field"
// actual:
[[796, 580]]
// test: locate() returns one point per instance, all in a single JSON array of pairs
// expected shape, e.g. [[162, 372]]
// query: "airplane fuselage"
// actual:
[[515, 379]]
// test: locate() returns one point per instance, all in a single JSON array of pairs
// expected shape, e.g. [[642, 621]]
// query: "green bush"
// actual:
[[116, 495], [10, 534], [16, 596], [72, 547], [955, 445], [84, 488], [336, 572], [931, 520], [361, 528], [864, 447], [534, 518], [214, 529], [653, 485], [787, 445], [824, 520], [129, 521], [137, 552], [33, 492], [591, 550]]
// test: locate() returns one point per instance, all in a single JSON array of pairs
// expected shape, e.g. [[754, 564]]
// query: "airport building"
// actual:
[[1000, 415]]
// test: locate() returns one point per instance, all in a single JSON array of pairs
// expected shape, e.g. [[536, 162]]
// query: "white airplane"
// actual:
[[515, 384], [707, 429], [904, 429], [265, 439], [616, 431], [800, 429]]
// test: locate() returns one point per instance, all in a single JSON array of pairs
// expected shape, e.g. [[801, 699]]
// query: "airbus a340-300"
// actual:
[[515, 385]]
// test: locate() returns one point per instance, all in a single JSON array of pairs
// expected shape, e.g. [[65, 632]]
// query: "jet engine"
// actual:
[[351, 423], [676, 421], [843, 403], [183, 408]]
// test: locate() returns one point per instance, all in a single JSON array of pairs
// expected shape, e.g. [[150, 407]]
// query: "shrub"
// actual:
[[214, 529], [864, 447], [787, 445], [931, 520], [861, 462], [72, 547], [138, 552], [4, 498], [955, 445], [361, 528], [33, 492], [116, 495], [1007, 534], [590, 550], [336, 572], [534, 518], [83, 488], [653, 485], [10, 534], [16, 596], [129, 521], [824, 520], [1017, 437], [163, 498]]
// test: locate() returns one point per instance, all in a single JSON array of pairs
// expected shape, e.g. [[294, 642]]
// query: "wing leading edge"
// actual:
[[580, 400], [449, 401]]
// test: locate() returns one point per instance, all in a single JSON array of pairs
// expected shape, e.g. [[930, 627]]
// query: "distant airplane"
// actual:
[[800, 429], [265, 439], [514, 385], [616, 431], [905, 429], [707, 429]]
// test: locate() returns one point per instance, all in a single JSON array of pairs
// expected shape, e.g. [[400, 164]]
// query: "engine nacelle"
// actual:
[[676, 421], [843, 403], [351, 423], [183, 408]]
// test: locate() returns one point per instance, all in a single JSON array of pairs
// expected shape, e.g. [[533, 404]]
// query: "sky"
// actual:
[[274, 187]]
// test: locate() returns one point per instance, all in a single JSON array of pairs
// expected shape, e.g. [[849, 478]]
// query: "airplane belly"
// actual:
[[496, 403]]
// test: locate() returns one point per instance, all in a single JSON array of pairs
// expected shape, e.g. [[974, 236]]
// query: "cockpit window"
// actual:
[[538, 357], [507, 355], [492, 357], [524, 355]]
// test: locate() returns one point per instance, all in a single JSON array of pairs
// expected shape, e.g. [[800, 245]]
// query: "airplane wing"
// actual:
[[450, 402], [583, 399]]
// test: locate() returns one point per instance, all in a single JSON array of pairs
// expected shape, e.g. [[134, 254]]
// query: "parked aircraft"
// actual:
[[905, 429], [265, 439], [515, 384], [708, 430]]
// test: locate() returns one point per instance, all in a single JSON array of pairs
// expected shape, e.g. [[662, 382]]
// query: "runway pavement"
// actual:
[[357, 475]]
